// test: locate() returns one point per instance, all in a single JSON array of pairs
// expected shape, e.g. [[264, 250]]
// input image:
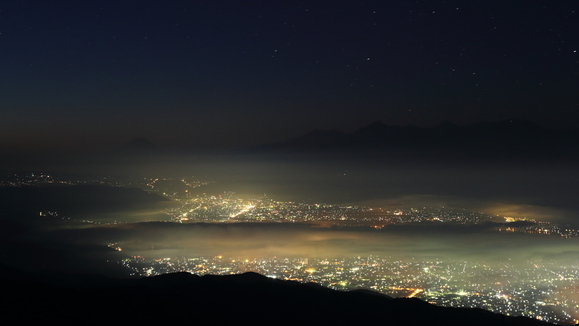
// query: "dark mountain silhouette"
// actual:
[[318, 138], [509, 138], [222, 300]]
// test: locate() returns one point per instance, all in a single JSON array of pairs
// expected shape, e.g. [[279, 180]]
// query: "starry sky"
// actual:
[[92, 74]]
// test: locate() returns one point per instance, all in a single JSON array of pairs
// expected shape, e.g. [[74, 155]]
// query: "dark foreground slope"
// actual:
[[222, 300]]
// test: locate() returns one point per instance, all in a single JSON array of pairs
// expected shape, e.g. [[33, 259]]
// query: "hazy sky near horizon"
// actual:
[[237, 73]]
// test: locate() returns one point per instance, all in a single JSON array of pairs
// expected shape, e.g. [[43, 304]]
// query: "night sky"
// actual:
[[94, 74]]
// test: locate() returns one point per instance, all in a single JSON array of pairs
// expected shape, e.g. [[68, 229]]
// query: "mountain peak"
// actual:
[[447, 125], [376, 127]]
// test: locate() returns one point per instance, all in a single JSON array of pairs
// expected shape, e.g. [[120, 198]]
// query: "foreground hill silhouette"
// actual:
[[218, 300]]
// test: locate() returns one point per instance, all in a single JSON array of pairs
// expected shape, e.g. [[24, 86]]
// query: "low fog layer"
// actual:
[[544, 191], [157, 240], [535, 189], [84, 249]]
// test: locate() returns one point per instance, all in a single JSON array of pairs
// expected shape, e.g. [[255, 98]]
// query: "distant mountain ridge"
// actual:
[[222, 300], [499, 137]]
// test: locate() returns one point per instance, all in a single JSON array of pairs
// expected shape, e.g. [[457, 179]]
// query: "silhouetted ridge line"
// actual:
[[508, 138], [226, 300]]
